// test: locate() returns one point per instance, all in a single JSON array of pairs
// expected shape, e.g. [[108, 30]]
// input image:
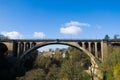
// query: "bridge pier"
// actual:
[[96, 55], [89, 44]]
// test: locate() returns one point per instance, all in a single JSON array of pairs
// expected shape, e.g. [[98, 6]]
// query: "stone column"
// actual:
[[89, 46], [83, 44], [24, 47], [96, 52], [18, 51], [103, 50], [30, 44]]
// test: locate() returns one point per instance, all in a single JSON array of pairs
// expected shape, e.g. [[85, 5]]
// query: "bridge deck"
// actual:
[[42, 40]]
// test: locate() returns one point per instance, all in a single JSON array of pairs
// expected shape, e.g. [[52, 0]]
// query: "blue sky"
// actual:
[[59, 19]]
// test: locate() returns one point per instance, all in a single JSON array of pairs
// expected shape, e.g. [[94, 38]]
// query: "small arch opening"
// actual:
[[99, 50]]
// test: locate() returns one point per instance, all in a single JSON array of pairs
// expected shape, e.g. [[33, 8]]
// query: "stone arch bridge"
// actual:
[[95, 49]]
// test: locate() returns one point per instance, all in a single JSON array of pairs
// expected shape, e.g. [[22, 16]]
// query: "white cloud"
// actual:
[[71, 30], [76, 23], [39, 35], [73, 27], [13, 35]]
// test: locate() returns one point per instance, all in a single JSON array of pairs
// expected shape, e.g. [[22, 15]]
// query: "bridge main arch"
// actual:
[[93, 60]]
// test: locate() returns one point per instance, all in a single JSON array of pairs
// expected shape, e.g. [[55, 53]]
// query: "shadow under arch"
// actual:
[[93, 60]]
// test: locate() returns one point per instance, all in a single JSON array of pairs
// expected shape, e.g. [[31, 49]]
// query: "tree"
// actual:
[[35, 74], [73, 68], [54, 73], [106, 37], [2, 37], [43, 62], [116, 36], [59, 68]]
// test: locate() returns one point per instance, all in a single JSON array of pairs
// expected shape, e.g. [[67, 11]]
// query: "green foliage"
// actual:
[[73, 67], [116, 71], [78, 56], [53, 73], [106, 37], [109, 77], [113, 59], [111, 64], [43, 62], [73, 71], [116, 36], [35, 74], [58, 68]]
